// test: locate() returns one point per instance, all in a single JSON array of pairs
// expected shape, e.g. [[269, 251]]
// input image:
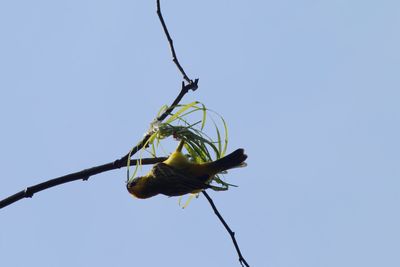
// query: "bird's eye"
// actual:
[[131, 184]]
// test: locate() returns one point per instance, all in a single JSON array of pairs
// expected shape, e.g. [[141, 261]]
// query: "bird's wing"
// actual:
[[173, 182]]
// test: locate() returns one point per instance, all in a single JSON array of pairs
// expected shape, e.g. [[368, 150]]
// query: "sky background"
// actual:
[[310, 89]]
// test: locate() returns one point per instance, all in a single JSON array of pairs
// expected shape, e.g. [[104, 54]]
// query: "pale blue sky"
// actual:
[[310, 89]]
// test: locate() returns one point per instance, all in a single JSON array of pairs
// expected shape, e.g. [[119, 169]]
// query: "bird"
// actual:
[[177, 175]]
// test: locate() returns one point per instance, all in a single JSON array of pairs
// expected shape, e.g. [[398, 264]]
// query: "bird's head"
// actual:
[[141, 187]]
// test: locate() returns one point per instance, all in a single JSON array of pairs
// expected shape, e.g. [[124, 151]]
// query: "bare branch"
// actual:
[[81, 175], [85, 174], [242, 261]]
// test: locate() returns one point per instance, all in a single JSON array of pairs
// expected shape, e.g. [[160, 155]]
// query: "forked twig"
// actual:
[[242, 261]]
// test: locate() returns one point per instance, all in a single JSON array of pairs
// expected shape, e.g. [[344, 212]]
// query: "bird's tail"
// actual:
[[232, 160]]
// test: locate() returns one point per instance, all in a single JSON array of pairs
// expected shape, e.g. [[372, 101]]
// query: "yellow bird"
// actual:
[[178, 176]]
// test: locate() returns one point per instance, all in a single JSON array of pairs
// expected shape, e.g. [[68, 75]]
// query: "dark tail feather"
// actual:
[[234, 159]]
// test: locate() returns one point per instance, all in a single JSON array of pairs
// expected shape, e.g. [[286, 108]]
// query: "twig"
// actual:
[[242, 261], [171, 44], [84, 175]]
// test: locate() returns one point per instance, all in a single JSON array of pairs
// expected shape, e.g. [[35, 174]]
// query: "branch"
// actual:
[[171, 44], [242, 261], [84, 175]]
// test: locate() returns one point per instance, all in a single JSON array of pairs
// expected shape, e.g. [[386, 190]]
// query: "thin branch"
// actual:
[[85, 174], [81, 175], [242, 261], [171, 44]]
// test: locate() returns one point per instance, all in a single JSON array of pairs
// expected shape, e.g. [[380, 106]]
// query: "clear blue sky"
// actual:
[[310, 89]]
